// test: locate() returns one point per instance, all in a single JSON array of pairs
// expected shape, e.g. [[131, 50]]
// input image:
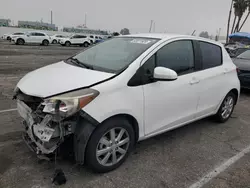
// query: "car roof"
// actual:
[[36, 32], [154, 35], [167, 36]]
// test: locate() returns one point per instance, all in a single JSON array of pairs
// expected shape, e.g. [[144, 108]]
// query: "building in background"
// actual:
[[37, 25], [85, 30], [5, 22]]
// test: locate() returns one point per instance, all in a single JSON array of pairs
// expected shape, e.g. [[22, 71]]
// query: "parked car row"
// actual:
[[240, 54], [42, 38]]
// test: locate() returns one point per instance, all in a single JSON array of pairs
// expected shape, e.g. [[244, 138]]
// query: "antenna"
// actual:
[[153, 26]]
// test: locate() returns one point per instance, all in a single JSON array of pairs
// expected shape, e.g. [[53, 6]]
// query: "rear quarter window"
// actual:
[[211, 55]]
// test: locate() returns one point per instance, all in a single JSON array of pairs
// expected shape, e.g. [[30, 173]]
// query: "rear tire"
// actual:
[[105, 152], [67, 43], [226, 108], [45, 42], [20, 42]]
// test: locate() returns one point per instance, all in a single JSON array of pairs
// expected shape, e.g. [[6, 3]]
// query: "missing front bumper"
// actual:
[[37, 145], [33, 147]]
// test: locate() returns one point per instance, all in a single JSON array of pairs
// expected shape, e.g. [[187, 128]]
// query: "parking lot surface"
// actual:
[[176, 159]]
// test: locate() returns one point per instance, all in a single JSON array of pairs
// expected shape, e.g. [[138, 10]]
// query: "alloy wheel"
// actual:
[[112, 146], [227, 107]]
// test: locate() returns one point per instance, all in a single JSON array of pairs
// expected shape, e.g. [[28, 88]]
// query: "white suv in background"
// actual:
[[33, 37], [14, 34], [124, 90], [81, 40], [56, 38]]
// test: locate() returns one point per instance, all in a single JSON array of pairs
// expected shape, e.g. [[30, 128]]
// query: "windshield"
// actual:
[[244, 55], [115, 54]]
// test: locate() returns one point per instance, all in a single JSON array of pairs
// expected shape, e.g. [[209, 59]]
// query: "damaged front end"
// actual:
[[49, 121]]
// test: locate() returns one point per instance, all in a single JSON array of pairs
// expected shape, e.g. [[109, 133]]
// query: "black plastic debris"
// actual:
[[59, 177]]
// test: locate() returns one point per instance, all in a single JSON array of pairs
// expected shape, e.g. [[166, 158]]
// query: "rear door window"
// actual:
[[211, 55]]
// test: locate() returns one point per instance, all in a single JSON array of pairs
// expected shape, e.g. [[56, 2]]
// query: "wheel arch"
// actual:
[[86, 126], [20, 38], [45, 40], [236, 92], [132, 120], [67, 41]]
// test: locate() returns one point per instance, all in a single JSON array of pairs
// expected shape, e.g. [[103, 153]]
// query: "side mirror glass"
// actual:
[[164, 74]]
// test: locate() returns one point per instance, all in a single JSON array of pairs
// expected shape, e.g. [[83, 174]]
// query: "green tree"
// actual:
[[248, 13], [125, 31], [240, 7], [204, 34], [116, 34]]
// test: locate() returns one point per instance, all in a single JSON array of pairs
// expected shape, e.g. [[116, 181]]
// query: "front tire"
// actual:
[[67, 43], [110, 145], [20, 42], [86, 44], [54, 42], [226, 108]]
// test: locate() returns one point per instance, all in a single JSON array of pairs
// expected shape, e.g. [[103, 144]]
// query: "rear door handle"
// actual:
[[194, 81]]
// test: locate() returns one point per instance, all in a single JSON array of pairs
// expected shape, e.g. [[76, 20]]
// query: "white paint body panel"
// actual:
[[157, 107]]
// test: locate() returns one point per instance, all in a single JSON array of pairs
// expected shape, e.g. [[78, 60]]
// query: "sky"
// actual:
[[172, 16]]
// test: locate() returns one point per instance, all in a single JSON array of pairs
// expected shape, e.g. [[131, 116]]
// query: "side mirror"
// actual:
[[164, 74]]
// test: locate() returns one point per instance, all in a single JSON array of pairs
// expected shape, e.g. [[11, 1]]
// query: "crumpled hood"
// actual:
[[57, 78]]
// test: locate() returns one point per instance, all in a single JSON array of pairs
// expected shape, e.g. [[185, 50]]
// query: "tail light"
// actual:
[[237, 70]]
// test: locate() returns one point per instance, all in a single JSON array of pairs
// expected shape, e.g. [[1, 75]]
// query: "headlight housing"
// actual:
[[69, 103]]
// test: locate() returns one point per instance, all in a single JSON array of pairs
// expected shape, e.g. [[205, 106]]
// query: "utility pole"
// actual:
[[193, 33], [150, 27], [219, 33], [85, 21], [154, 26], [51, 17]]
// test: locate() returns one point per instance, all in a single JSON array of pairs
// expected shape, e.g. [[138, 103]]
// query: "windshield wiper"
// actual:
[[81, 64]]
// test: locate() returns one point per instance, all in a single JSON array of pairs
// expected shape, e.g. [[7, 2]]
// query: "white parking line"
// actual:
[[205, 179], [8, 110]]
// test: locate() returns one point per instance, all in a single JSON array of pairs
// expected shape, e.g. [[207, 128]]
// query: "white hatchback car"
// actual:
[[122, 91], [33, 37]]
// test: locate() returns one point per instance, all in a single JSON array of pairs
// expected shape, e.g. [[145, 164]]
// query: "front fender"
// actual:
[[84, 128]]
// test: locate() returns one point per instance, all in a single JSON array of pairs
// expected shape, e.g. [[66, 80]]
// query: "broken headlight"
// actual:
[[69, 103]]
